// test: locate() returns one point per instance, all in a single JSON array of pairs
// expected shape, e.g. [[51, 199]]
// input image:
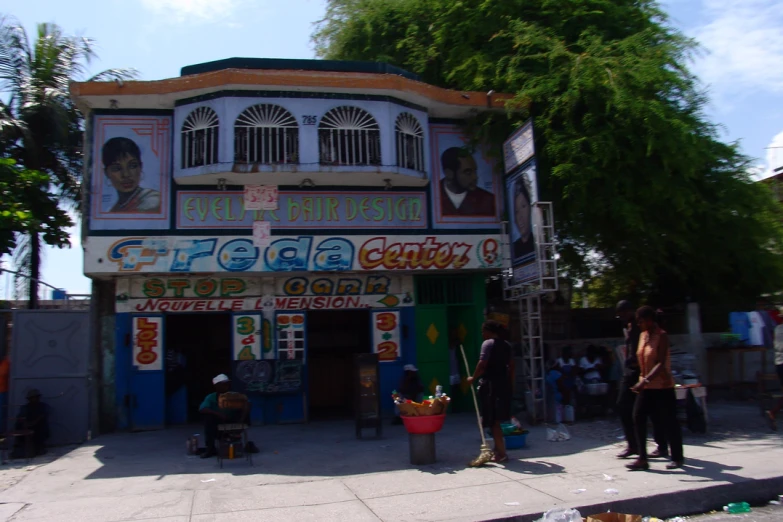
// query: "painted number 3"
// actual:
[[386, 322], [387, 350], [246, 326]]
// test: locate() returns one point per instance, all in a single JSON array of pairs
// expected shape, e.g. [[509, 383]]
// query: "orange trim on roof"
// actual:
[[267, 78]]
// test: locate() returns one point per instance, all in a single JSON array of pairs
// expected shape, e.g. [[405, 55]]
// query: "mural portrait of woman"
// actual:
[[123, 167], [131, 172]]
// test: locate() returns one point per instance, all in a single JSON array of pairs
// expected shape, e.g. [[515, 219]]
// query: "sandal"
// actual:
[[499, 459], [638, 465], [773, 425]]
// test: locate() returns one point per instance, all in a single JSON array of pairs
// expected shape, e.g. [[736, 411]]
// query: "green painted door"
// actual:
[[432, 347]]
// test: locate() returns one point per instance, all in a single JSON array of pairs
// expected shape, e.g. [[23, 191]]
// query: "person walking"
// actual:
[[773, 413], [495, 370], [656, 396], [627, 398]]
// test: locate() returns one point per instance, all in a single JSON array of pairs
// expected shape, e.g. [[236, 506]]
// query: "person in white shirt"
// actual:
[[591, 365], [772, 414], [566, 365]]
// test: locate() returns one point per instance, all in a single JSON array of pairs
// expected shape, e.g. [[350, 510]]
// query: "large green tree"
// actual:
[[646, 195], [40, 127]]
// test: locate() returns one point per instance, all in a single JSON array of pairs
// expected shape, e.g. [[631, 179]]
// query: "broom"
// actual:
[[486, 453]]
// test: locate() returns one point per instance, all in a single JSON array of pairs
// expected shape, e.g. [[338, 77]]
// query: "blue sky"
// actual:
[[741, 62]]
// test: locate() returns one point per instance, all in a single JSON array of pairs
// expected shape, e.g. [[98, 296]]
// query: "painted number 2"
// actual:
[[388, 350]]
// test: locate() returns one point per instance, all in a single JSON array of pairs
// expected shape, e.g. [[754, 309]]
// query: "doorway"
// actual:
[[333, 338], [198, 347]]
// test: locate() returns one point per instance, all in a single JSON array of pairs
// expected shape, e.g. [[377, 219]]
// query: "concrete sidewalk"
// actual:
[[320, 472]]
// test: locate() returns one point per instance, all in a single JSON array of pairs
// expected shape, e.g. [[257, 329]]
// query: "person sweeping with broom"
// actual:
[[495, 375]]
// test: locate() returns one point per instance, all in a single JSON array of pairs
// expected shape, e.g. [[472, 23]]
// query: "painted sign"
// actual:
[[465, 189], [263, 304], [386, 335], [290, 336], [248, 330], [147, 343], [522, 196], [203, 287], [105, 255], [519, 148], [332, 292], [131, 173], [304, 209]]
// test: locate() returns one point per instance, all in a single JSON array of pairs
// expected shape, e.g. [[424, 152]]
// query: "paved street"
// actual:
[[321, 472]]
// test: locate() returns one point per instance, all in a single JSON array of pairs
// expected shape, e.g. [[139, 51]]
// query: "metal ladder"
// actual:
[[528, 301]]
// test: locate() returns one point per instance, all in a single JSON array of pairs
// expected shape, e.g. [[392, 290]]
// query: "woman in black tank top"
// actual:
[[494, 372]]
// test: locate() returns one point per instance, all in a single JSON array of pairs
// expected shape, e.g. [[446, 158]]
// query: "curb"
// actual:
[[679, 503]]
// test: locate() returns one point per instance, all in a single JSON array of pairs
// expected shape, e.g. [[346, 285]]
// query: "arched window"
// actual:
[[200, 138], [267, 134], [349, 136], [410, 142]]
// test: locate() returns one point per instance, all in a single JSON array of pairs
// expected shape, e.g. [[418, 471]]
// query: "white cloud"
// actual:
[[192, 10], [744, 47], [774, 157]]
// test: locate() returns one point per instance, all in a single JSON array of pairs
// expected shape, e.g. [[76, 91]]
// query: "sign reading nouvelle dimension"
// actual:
[[303, 209]]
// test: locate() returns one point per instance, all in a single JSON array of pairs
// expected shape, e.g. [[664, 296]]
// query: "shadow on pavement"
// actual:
[[320, 449]]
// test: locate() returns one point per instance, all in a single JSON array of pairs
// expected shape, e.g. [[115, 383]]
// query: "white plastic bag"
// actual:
[[561, 515], [558, 434]]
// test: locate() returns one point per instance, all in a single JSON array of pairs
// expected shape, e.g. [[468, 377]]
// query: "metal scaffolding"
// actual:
[[527, 297]]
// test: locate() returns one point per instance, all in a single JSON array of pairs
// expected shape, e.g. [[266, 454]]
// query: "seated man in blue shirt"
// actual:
[[214, 415]]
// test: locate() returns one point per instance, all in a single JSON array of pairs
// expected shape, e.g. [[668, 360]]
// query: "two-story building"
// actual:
[[269, 219]]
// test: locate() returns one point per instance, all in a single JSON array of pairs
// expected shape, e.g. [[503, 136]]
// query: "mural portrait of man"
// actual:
[[460, 194]]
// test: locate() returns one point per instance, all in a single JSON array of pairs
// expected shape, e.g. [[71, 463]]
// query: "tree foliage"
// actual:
[[28, 207], [40, 127], [646, 194]]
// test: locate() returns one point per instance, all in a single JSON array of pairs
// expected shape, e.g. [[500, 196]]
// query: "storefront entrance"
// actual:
[[198, 347], [333, 338]]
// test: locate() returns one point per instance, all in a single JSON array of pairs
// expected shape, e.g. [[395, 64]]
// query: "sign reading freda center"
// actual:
[[141, 254]]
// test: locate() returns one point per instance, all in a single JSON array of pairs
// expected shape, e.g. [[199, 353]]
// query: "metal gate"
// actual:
[[50, 351]]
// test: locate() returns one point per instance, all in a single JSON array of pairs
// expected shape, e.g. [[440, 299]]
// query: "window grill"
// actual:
[[349, 136], [266, 134], [444, 290], [410, 142], [200, 138]]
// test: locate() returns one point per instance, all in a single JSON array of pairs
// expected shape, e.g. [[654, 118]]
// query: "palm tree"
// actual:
[[40, 126]]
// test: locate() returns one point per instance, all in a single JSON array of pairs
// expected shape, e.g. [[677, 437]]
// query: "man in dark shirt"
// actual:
[[32, 416], [626, 312]]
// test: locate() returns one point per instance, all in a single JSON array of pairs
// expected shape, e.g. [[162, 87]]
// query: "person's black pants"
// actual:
[[661, 407], [38, 440], [211, 423], [625, 406]]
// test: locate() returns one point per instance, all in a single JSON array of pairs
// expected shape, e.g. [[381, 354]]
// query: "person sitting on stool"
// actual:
[[213, 416], [32, 416]]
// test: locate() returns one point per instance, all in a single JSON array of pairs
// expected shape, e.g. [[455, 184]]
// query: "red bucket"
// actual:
[[424, 425]]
